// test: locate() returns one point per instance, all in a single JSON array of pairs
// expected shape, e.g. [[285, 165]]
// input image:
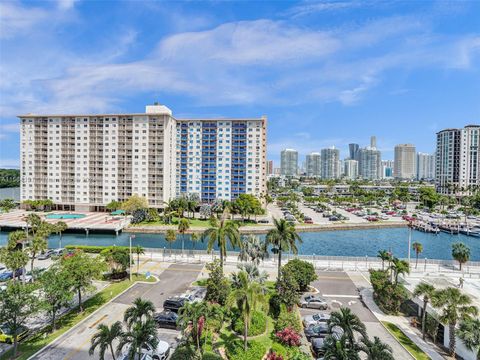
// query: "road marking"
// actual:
[[342, 296], [333, 278], [98, 321]]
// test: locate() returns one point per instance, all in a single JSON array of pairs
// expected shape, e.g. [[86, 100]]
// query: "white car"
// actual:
[[160, 353], [315, 319]]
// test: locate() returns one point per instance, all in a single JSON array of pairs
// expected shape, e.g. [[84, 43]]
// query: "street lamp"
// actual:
[[409, 240], [130, 258]]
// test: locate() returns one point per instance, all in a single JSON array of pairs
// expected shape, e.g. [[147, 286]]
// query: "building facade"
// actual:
[[289, 162], [457, 161], [369, 161], [405, 162], [270, 168], [83, 162], [425, 166], [387, 169], [330, 163], [313, 165], [350, 169], [353, 151]]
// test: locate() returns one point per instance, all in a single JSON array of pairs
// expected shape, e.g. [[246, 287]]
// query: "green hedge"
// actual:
[[255, 350], [288, 319], [92, 249], [211, 356], [258, 324]]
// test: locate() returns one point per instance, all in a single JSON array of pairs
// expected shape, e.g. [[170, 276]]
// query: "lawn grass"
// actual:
[[405, 341], [29, 347]]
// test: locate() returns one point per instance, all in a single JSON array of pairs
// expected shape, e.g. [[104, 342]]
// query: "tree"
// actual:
[[288, 289], [282, 237], [302, 271], [59, 227], [247, 298], [37, 245], [384, 255], [399, 267], [7, 204], [348, 322], [56, 289], [454, 306], [376, 349], [104, 338], [218, 287], [183, 226], [252, 250], [192, 318], [17, 304], [221, 233], [138, 250], [13, 259], [141, 311], [194, 239], [171, 237], [339, 349], [113, 205], [205, 211], [82, 270], [418, 248], [428, 292], [461, 253], [133, 203], [118, 259], [140, 335], [469, 333]]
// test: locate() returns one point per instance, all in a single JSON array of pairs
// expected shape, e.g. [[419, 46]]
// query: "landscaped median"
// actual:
[[403, 339], [42, 338]]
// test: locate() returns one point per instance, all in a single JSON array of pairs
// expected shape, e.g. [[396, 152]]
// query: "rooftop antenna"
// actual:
[[155, 103]]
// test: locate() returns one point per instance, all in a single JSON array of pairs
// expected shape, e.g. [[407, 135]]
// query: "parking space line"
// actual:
[[342, 296]]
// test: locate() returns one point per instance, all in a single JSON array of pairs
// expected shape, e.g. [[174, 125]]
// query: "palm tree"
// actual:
[[139, 251], [140, 311], [384, 255], [141, 334], [348, 322], [194, 239], [183, 226], [461, 253], [171, 237], [399, 267], [454, 306], [418, 248], [376, 350], [37, 245], [282, 237], [59, 228], [221, 232], [428, 292], [252, 250], [469, 333], [192, 317], [248, 296], [339, 349], [104, 338]]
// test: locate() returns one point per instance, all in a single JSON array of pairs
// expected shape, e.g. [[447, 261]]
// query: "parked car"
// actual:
[[2, 269], [315, 319], [308, 220], [7, 275], [263, 221], [166, 319], [314, 302], [161, 352], [174, 303], [318, 346], [45, 255], [58, 252], [6, 335], [316, 330], [136, 357]]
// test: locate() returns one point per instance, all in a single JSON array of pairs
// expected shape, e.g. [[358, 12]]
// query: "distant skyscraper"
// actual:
[[425, 166], [350, 169], [330, 161], [353, 151], [373, 142], [405, 162], [387, 169], [369, 161], [270, 167], [457, 162], [289, 162], [313, 165]]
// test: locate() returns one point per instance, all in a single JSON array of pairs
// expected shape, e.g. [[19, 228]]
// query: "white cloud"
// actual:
[[15, 18]]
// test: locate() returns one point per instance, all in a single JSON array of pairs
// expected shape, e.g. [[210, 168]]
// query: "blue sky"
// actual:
[[325, 73]]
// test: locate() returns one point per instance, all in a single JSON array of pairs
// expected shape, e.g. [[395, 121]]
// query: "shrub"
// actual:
[[258, 324], [275, 305], [256, 350], [185, 352], [139, 216], [218, 287], [288, 337], [92, 249], [272, 355], [211, 356], [288, 288], [302, 271], [388, 296], [288, 320]]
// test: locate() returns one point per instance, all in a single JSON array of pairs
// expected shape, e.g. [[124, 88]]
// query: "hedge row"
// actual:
[[92, 249]]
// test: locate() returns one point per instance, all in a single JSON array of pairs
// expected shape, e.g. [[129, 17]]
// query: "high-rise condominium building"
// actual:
[[270, 167], [330, 163], [353, 151], [350, 169], [313, 165], [387, 169], [457, 162], [289, 162], [425, 166], [83, 162], [405, 162], [369, 161]]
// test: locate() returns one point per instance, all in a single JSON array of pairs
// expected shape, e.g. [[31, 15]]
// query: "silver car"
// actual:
[[314, 302], [315, 319]]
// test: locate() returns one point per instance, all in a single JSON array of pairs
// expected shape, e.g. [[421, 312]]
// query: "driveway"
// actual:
[[74, 345]]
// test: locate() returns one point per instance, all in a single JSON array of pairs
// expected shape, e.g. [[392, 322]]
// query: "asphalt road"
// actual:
[[74, 344], [340, 291]]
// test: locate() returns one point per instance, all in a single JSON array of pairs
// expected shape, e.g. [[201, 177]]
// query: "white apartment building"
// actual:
[[350, 169], [83, 162], [387, 169], [457, 160], [313, 164], [369, 161], [289, 162], [330, 161], [425, 166], [405, 162]]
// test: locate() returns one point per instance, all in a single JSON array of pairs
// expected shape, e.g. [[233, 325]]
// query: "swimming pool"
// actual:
[[65, 216]]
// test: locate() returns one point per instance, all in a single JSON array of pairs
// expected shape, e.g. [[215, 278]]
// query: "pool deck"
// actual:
[[93, 221]]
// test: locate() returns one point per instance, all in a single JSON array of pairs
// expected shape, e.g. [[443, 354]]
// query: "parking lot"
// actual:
[[339, 291], [173, 280]]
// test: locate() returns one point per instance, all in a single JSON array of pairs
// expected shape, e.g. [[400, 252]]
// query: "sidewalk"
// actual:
[[401, 322]]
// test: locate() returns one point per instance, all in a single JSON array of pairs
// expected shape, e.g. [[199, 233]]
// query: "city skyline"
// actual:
[[344, 80]]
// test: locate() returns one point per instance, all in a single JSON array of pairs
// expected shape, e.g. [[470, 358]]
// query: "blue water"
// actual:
[[345, 242], [65, 216]]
